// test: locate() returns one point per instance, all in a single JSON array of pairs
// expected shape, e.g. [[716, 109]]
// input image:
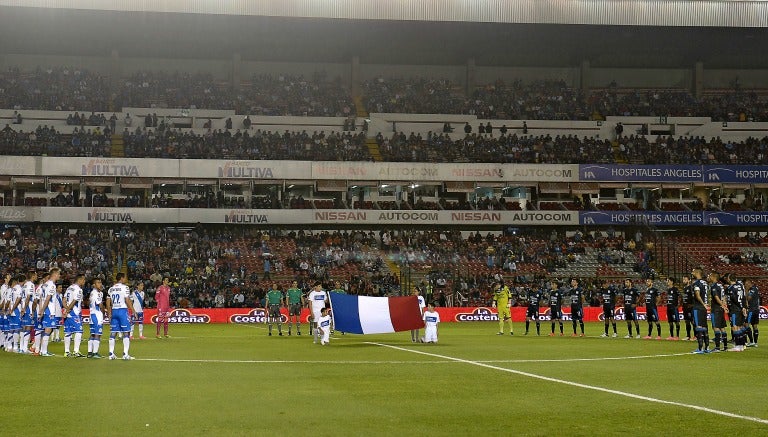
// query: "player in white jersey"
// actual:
[[324, 326], [431, 319], [422, 305], [15, 307], [28, 315], [37, 316], [47, 313], [5, 289], [56, 334], [73, 324], [96, 302], [317, 301], [138, 310], [118, 302]]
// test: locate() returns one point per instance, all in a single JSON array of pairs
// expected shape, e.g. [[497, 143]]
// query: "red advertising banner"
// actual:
[[452, 314]]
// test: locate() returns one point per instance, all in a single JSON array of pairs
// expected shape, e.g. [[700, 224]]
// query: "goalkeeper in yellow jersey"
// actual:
[[501, 296]]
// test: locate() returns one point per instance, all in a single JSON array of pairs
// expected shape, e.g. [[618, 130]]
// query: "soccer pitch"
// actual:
[[235, 380]]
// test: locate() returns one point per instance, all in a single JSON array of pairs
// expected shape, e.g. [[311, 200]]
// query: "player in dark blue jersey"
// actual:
[[700, 302], [753, 312], [737, 310], [535, 298], [687, 297], [718, 309], [577, 306], [608, 296], [555, 306], [652, 300], [630, 297], [673, 315]]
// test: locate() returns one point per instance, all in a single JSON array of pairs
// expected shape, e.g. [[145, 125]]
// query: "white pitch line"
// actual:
[[170, 360], [448, 361], [576, 384]]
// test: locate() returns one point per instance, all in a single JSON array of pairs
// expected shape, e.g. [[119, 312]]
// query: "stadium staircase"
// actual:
[[373, 149], [118, 147], [617, 156], [360, 110]]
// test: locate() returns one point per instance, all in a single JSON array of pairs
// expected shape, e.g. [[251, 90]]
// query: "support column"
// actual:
[[697, 87], [354, 76], [236, 76], [471, 79], [115, 71], [584, 76]]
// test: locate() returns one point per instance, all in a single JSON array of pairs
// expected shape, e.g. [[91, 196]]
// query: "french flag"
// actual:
[[375, 315]]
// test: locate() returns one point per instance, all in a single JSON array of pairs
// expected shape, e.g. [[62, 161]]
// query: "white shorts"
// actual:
[[430, 334], [316, 314], [326, 336]]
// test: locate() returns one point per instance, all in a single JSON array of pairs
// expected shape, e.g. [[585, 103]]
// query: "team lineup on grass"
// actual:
[[34, 307]]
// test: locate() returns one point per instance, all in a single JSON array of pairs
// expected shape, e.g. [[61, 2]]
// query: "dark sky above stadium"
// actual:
[[95, 33]]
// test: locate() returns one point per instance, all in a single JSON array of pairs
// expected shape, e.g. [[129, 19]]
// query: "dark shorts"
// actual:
[[274, 310], [630, 314], [673, 316], [700, 317], [294, 309], [652, 314], [718, 319], [533, 313], [737, 319], [753, 317], [555, 313], [688, 313], [607, 312], [577, 313]]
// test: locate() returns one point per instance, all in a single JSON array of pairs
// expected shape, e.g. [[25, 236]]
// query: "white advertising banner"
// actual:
[[413, 172], [111, 167], [244, 169], [294, 217], [18, 165], [109, 215], [14, 214]]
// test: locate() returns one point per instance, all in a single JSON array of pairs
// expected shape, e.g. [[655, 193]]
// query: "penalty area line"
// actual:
[[576, 384]]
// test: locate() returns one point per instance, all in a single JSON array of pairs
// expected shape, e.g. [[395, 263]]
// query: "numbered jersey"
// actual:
[[118, 294], [74, 294]]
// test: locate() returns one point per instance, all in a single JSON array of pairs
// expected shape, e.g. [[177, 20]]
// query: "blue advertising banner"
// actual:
[[682, 218], [640, 173], [753, 174], [739, 218]]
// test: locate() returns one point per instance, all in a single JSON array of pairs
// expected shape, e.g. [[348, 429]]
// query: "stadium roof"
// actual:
[[76, 32], [736, 13]]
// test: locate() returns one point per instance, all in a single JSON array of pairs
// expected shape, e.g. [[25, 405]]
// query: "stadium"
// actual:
[[575, 173]]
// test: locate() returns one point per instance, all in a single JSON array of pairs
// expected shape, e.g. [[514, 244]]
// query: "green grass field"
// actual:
[[234, 380]]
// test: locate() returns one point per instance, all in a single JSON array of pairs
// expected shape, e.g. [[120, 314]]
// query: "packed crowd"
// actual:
[[71, 89], [555, 100], [502, 149], [693, 150], [48, 141], [54, 89], [170, 143]]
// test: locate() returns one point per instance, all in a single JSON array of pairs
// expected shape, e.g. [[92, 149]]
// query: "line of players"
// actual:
[[33, 308], [727, 298]]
